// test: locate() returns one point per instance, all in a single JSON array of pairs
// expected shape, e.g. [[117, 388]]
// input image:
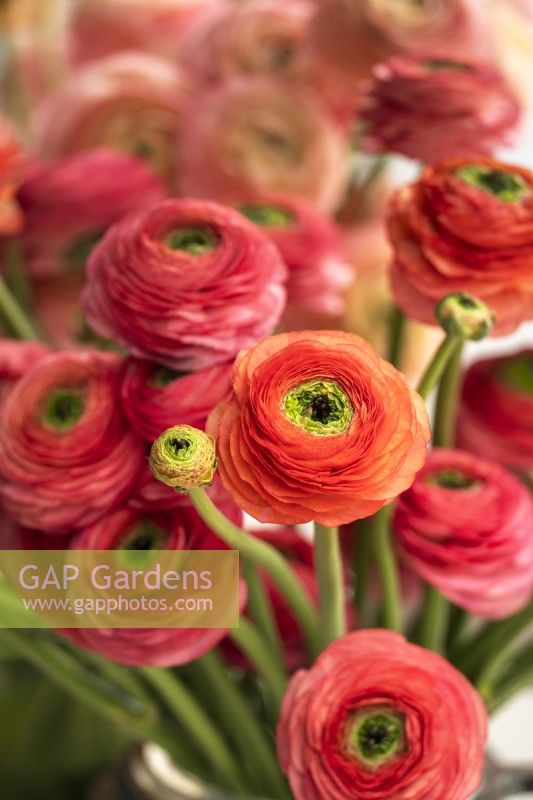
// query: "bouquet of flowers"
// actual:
[[247, 250]]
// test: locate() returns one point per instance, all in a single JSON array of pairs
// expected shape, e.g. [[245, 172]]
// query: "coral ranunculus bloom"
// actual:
[[320, 428], [465, 226], [377, 718], [481, 556], [496, 410]]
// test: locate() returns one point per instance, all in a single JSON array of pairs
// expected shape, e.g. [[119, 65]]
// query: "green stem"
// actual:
[[15, 273], [191, 718], [387, 568], [13, 315], [251, 643], [434, 620], [501, 653], [438, 364], [397, 328], [330, 579], [241, 725], [445, 411], [260, 608], [362, 562], [266, 556], [518, 676]]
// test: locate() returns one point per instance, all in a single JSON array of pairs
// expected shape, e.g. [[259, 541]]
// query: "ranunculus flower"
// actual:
[[265, 37], [68, 205], [155, 398], [496, 411], [311, 246], [319, 427], [465, 226], [16, 359], [186, 283], [129, 529], [429, 108], [67, 456], [377, 717], [260, 135], [481, 555], [102, 27], [11, 160], [130, 102]]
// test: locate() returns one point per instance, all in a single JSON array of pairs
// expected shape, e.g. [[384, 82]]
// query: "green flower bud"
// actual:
[[183, 457], [461, 314]]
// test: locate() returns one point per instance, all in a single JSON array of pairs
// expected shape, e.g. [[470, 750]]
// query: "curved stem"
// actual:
[[444, 426], [388, 569], [397, 331], [15, 318], [242, 726], [260, 607], [330, 579], [265, 556], [199, 727], [251, 643], [434, 620], [438, 364]]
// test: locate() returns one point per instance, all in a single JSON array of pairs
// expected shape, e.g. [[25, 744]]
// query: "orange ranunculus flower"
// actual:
[[466, 225], [319, 427]]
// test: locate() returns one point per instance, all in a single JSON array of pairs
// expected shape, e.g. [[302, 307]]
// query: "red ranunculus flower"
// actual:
[[496, 410], [259, 135], [156, 398], [319, 427], [481, 555], [377, 718], [429, 108], [66, 454], [129, 529], [465, 226], [131, 102], [68, 204], [186, 283], [311, 246]]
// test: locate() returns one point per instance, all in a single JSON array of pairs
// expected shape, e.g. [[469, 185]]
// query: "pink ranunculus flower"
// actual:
[[496, 410], [103, 27], [67, 456], [155, 398], [372, 719], [481, 556], [68, 204], [130, 102], [263, 135], [17, 358], [265, 37], [11, 165], [186, 283], [127, 528], [311, 246], [429, 108]]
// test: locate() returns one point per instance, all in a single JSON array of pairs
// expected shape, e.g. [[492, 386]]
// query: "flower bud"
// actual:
[[461, 314], [183, 457]]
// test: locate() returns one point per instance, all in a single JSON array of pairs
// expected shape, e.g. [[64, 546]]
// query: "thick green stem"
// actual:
[[191, 718], [445, 411], [397, 328], [330, 579], [362, 563], [264, 556], [260, 607], [256, 649], [503, 651], [387, 568], [438, 365], [434, 620], [242, 724], [13, 315]]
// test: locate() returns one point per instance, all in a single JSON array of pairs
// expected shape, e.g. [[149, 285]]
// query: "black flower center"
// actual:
[[144, 536], [194, 241], [268, 216], [320, 409], [178, 444], [374, 736], [63, 408], [505, 185]]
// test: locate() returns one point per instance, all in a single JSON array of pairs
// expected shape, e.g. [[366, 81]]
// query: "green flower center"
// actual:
[[517, 374], [375, 736], [320, 407], [195, 241], [177, 448], [452, 479], [267, 216], [163, 376], [80, 249], [506, 186], [145, 535], [445, 64], [63, 408]]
